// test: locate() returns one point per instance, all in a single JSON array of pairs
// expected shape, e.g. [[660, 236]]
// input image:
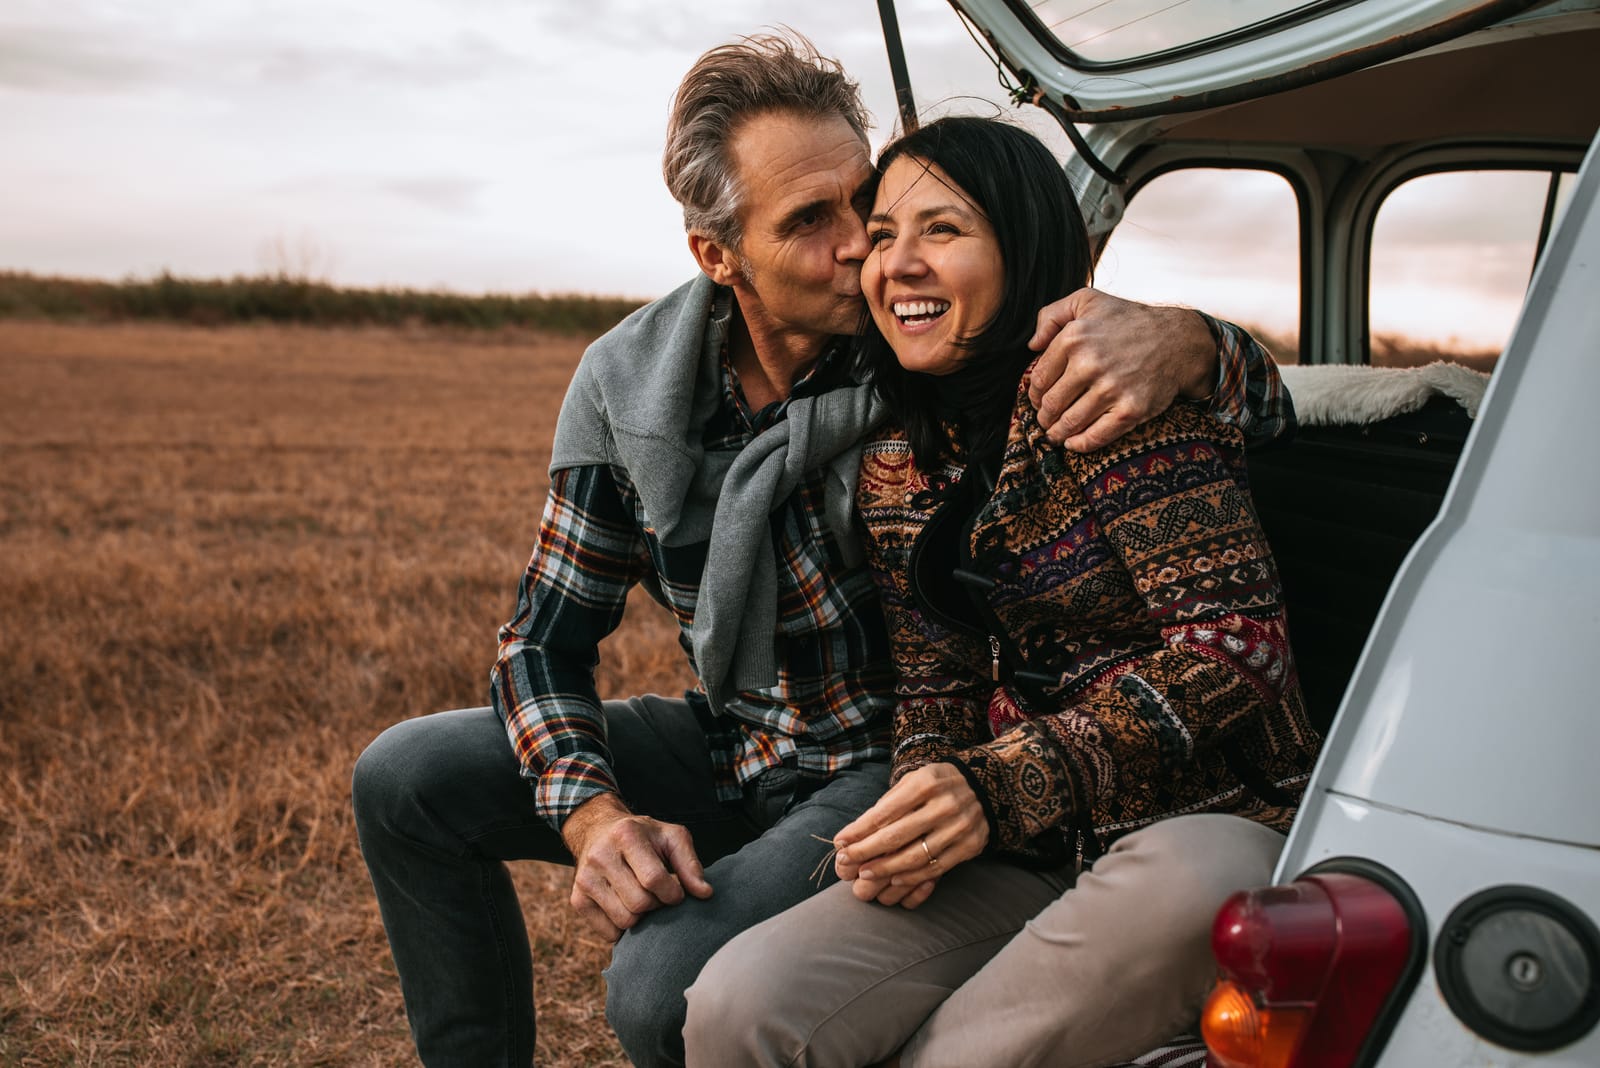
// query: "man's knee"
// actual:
[[651, 966], [433, 778], [381, 779]]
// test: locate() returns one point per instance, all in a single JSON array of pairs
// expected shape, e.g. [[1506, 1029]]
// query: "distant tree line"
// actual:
[[285, 298]]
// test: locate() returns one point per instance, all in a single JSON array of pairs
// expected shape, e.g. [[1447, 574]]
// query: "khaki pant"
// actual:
[[1001, 966]]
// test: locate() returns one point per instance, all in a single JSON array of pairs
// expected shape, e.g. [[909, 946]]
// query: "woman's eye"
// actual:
[[942, 228], [878, 237]]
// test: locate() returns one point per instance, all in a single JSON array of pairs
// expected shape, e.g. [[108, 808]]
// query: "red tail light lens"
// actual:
[[1308, 971]]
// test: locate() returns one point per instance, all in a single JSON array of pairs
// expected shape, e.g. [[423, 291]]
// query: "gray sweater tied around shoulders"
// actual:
[[640, 400]]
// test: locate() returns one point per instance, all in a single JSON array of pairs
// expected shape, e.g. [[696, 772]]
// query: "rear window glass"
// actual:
[[1451, 257], [1225, 240], [1119, 31]]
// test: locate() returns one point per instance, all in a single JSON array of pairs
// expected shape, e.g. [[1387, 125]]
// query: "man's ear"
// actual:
[[720, 263]]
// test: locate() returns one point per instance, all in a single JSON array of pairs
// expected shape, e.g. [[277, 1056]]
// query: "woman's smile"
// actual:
[[917, 316]]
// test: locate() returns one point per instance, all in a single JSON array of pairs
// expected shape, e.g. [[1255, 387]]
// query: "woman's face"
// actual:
[[934, 275]]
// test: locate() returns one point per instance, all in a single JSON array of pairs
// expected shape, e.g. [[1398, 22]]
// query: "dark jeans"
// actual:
[[440, 806]]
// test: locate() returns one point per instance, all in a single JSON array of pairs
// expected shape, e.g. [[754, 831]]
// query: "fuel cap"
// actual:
[[1519, 966]]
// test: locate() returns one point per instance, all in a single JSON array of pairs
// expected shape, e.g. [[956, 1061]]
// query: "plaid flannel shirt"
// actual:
[[1249, 392], [831, 706]]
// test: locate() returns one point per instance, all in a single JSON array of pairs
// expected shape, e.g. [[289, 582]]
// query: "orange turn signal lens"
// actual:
[[1241, 1034]]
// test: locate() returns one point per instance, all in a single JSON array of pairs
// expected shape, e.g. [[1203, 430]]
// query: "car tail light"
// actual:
[[1312, 971]]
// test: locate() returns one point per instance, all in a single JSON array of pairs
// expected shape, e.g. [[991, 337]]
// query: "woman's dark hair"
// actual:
[[1009, 175]]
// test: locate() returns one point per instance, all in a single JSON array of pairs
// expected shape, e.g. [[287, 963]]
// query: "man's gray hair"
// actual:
[[727, 86]]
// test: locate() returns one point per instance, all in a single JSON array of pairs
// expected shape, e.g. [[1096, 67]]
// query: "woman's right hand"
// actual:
[[926, 824], [907, 896]]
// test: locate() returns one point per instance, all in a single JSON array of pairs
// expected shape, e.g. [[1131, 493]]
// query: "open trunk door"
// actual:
[[1094, 61], [1117, 74]]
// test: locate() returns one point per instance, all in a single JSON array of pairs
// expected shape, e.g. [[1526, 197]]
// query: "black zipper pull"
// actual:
[[973, 580], [994, 663]]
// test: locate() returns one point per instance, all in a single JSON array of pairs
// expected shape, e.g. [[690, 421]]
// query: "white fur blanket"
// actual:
[[1328, 394]]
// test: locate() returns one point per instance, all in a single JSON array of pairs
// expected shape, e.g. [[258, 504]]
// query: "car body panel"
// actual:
[[1463, 756], [1472, 699], [1444, 863]]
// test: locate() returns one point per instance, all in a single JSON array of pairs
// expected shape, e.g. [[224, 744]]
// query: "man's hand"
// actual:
[[627, 865], [1110, 364]]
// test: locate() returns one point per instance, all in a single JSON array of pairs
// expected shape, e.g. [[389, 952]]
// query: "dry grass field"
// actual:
[[228, 558]]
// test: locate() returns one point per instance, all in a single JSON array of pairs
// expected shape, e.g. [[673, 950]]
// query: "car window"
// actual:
[[1104, 31], [1452, 254], [1222, 239]]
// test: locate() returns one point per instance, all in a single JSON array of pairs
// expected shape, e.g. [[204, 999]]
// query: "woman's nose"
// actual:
[[903, 259]]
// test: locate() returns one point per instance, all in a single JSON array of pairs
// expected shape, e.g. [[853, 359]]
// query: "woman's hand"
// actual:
[[887, 893], [926, 824]]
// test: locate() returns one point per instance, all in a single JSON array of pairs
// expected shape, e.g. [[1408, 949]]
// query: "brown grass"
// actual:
[[1387, 350], [231, 557], [1396, 350]]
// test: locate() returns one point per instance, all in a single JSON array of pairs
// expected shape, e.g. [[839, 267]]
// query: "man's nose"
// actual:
[[852, 245]]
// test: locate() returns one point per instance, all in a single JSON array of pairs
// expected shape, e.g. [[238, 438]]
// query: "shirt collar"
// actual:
[[829, 371]]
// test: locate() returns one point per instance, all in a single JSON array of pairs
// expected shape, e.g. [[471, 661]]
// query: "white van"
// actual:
[[1437, 901]]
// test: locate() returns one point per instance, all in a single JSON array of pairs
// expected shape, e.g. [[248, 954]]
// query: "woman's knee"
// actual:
[[1210, 850], [1168, 879]]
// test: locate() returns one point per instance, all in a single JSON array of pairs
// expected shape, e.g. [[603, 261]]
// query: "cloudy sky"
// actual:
[[471, 145], [474, 144]]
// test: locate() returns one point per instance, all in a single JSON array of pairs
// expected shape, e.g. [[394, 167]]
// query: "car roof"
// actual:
[[1543, 87]]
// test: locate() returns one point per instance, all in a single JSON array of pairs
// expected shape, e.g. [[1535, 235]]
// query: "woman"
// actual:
[[1099, 734]]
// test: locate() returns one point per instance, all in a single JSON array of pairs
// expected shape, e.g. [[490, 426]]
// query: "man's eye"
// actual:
[[807, 220]]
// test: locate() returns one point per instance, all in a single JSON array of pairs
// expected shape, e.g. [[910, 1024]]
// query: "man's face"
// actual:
[[804, 181]]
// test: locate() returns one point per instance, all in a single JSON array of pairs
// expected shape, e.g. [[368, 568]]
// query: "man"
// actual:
[[707, 447]]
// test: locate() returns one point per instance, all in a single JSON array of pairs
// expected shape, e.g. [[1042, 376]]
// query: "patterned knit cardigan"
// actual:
[[1139, 664]]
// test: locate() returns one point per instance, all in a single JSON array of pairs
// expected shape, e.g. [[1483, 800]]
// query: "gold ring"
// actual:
[[933, 861]]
